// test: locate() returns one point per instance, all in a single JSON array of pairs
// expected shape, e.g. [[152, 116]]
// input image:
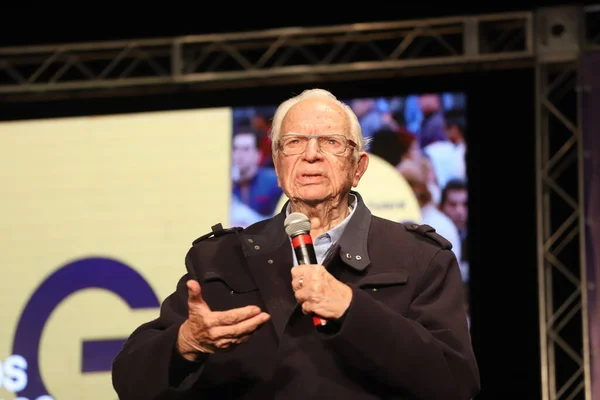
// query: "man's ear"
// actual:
[[361, 167], [276, 170]]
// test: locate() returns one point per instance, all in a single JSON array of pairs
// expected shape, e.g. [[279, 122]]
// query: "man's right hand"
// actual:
[[207, 331]]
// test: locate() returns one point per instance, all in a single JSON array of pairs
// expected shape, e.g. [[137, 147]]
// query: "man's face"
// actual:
[[313, 177], [246, 155], [456, 207]]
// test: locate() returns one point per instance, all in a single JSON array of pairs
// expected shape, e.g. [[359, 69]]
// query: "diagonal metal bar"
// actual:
[[563, 269], [45, 65], [82, 67], [236, 55], [62, 70], [561, 192], [405, 43], [578, 389], [559, 233], [13, 72], [566, 239], [128, 71], [116, 61], [566, 347], [150, 61], [337, 49], [561, 165], [560, 154], [204, 53], [568, 317], [309, 55], [559, 115], [271, 50], [376, 50], [556, 316], [559, 81], [563, 390], [431, 32], [216, 63]]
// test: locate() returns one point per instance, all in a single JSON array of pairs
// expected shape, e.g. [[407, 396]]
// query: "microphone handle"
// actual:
[[305, 254]]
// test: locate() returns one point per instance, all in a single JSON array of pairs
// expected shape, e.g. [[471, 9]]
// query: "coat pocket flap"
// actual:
[[384, 279], [239, 284]]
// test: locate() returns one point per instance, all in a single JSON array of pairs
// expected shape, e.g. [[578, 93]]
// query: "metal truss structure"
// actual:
[[563, 36], [549, 40], [267, 57]]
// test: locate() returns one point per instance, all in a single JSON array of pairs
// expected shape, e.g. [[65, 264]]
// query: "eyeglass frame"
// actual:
[[349, 142]]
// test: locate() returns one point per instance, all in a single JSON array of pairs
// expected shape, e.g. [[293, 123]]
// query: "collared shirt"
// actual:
[[324, 241]]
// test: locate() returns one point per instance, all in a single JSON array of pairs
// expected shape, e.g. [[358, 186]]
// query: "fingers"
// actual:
[[303, 270], [298, 283], [234, 316], [308, 271], [195, 297], [228, 344], [240, 329]]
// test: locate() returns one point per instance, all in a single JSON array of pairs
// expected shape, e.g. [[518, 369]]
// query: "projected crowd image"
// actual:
[[422, 136]]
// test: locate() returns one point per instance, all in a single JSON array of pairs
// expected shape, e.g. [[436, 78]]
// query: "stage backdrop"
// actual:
[[99, 212]]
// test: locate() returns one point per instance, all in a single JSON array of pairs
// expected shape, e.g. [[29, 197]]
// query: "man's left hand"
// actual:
[[319, 293]]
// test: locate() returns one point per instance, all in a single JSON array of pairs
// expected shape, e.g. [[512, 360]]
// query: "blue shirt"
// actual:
[[325, 240], [263, 192]]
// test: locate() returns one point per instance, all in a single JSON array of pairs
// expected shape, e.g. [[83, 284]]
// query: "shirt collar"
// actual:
[[336, 232], [264, 237]]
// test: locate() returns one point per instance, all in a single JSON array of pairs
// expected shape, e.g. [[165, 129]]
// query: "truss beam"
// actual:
[[282, 53], [560, 220], [563, 35]]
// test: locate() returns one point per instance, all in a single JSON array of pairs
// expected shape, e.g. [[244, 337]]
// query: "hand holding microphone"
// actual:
[[316, 290]]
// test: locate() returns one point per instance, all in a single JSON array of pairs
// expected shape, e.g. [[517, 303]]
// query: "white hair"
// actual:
[[282, 110]]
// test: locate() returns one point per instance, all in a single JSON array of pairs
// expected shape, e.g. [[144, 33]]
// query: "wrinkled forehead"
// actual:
[[317, 113]]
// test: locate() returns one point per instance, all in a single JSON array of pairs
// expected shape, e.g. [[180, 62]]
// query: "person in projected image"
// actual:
[[455, 204], [254, 185], [261, 123], [415, 173], [432, 216], [241, 215], [442, 140], [241, 322], [400, 148]]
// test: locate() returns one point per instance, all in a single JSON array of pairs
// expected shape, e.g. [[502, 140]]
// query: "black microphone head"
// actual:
[[296, 223]]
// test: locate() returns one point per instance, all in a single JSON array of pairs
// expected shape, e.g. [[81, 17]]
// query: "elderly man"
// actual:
[[240, 324]]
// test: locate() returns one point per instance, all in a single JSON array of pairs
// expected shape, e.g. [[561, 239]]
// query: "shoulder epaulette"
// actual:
[[216, 231], [429, 232]]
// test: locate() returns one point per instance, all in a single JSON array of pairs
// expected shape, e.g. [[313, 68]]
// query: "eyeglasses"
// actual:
[[293, 144]]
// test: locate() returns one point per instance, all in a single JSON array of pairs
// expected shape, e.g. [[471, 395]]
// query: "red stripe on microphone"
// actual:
[[301, 239]]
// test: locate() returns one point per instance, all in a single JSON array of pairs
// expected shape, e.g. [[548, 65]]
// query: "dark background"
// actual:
[[501, 155]]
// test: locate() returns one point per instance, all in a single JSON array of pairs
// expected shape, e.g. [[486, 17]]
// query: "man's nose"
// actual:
[[312, 150]]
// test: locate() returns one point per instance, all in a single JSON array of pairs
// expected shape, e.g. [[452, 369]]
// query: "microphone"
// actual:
[[297, 227]]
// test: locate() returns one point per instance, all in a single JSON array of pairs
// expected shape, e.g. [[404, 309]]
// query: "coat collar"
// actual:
[[267, 236]]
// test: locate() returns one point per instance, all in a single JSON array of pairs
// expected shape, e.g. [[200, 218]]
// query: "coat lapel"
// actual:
[[269, 259]]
